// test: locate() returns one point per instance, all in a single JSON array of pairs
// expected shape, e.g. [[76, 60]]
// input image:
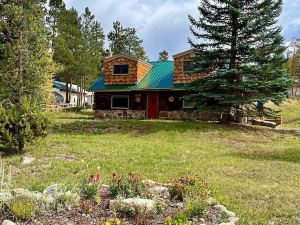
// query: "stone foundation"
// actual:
[[182, 115], [164, 115], [120, 114]]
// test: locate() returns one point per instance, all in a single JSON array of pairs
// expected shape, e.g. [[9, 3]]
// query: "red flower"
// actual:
[[94, 178]]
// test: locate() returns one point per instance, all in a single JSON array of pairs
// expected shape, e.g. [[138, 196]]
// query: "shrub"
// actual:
[[76, 109], [189, 186], [21, 124], [195, 207], [66, 199], [87, 207], [180, 219], [128, 187], [23, 207], [89, 188], [5, 186]]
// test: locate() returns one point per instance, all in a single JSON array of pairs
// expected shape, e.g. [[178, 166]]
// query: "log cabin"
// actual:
[[132, 88]]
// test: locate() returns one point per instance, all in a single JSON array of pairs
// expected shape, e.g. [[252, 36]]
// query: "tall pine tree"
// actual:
[[92, 51], [26, 67], [241, 47], [124, 40], [163, 56], [67, 45]]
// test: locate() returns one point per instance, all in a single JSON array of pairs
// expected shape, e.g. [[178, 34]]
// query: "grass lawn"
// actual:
[[254, 172], [291, 113]]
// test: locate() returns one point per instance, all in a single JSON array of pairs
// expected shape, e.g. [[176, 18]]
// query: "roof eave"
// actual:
[[128, 57]]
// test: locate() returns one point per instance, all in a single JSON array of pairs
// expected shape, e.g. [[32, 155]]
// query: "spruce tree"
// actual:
[[92, 51], [163, 56], [124, 40], [239, 44], [26, 68], [56, 7], [67, 45]]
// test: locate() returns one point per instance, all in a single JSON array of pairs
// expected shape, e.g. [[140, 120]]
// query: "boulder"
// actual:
[[26, 160], [52, 190], [149, 183], [7, 222], [134, 206], [229, 213], [220, 208], [160, 191], [233, 219]]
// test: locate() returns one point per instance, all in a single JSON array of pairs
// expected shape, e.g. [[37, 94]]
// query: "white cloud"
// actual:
[[163, 24]]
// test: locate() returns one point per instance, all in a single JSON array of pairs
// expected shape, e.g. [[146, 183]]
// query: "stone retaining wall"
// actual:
[[164, 115], [120, 114]]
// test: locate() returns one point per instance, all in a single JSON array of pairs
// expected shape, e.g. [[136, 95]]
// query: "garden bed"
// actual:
[[126, 200]]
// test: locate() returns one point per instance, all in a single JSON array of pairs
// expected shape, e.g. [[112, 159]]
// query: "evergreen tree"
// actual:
[[67, 46], [25, 72], [125, 41], [163, 56], [92, 51], [242, 50], [293, 64], [55, 9]]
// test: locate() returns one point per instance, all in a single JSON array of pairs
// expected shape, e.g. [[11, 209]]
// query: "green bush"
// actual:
[[74, 109], [90, 188], [180, 219], [21, 124], [189, 186], [67, 199], [23, 207], [128, 187]]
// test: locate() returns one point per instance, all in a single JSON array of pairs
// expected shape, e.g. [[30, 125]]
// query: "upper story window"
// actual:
[[121, 69], [188, 66]]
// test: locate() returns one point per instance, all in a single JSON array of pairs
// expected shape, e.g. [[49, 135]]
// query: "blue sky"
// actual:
[[163, 24]]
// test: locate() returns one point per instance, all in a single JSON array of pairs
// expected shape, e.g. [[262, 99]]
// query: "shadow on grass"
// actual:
[[7, 153], [291, 155]]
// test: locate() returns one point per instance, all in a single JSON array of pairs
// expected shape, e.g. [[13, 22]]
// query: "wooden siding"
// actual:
[[137, 70], [103, 100], [179, 75]]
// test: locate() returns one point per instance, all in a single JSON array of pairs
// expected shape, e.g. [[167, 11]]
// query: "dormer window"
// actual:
[[121, 69], [188, 66]]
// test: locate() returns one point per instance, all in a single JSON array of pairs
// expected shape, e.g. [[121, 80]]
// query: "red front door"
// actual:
[[152, 105]]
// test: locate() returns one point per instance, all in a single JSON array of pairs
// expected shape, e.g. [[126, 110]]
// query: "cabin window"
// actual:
[[120, 102], [188, 66], [121, 69], [188, 104]]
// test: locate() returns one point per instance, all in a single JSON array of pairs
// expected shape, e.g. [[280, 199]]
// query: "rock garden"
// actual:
[[129, 199]]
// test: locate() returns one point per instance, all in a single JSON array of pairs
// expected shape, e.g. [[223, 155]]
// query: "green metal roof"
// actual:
[[159, 77]]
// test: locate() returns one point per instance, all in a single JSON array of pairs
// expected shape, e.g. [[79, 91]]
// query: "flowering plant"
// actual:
[[90, 187], [128, 187]]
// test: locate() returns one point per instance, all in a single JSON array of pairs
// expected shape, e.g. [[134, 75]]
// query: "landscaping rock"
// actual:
[[52, 190], [136, 206], [5, 196], [149, 183], [233, 219], [211, 201], [105, 186], [229, 213], [160, 191], [220, 208], [8, 222], [20, 191], [26, 160]]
